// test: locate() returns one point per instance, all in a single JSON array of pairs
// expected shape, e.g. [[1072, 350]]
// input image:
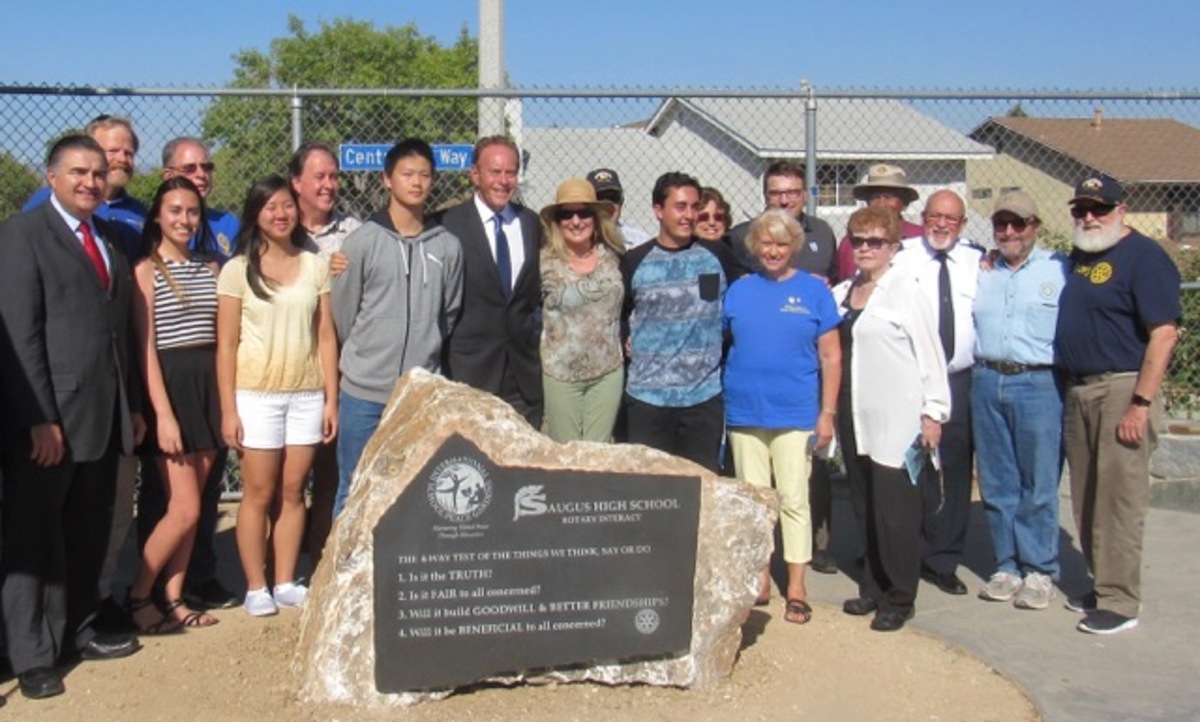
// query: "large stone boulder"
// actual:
[[335, 658]]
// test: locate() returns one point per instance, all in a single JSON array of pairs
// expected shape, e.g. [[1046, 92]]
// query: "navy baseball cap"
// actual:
[[1099, 188]]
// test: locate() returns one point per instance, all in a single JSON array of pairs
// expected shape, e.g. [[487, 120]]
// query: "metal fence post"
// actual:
[[810, 149], [297, 120]]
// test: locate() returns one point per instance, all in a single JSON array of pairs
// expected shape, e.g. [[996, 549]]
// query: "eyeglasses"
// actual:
[[1098, 212], [872, 242], [1018, 224], [785, 193], [705, 217], [943, 218], [566, 214], [611, 197], [191, 168]]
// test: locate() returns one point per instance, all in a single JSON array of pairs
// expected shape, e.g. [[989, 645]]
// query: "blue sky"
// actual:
[[1016, 44]]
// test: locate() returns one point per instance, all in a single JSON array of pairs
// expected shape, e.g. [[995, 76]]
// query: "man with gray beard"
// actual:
[[1117, 325]]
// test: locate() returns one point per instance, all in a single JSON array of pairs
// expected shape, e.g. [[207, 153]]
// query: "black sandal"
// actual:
[[194, 619], [164, 626]]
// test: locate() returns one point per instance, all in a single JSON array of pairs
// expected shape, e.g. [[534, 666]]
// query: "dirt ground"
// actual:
[[833, 668]]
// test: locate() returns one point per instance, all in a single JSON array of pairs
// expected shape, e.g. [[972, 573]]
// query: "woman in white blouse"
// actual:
[[894, 396]]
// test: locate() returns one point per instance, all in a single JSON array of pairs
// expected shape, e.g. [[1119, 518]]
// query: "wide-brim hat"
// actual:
[[575, 192], [891, 177]]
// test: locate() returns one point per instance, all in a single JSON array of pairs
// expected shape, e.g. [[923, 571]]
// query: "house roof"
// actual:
[[1133, 150], [874, 129]]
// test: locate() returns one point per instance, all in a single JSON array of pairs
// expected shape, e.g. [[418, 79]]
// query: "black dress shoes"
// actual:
[[948, 583], [109, 646], [891, 620], [823, 562], [41, 682], [859, 606]]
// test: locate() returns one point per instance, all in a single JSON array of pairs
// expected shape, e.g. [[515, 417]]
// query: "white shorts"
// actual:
[[274, 419]]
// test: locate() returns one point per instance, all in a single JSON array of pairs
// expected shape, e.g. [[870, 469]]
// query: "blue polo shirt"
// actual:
[[1016, 309], [772, 375], [1110, 301], [224, 227], [126, 214]]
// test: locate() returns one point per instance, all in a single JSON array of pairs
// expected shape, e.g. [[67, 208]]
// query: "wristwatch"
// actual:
[[1139, 400]]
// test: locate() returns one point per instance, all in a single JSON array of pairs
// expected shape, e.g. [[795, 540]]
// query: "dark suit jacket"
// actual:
[[493, 332], [63, 354]]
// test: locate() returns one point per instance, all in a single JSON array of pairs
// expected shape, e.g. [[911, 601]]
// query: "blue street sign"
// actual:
[[369, 156]]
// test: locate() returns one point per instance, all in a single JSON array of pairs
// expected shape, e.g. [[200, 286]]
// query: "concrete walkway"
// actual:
[[1148, 673]]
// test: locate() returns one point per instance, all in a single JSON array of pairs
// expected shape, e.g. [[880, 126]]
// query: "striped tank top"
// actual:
[[192, 320]]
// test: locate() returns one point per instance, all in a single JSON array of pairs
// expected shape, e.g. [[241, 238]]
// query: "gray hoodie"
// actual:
[[395, 304]]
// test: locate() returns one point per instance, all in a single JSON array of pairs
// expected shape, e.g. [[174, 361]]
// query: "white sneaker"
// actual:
[[1002, 587], [290, 594], [259, 603], [1036, 592]]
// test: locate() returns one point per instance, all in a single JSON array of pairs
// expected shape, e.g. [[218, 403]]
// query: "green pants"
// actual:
[[583, 410]]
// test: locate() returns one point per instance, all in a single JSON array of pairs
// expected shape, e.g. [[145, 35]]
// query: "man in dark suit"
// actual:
[[495, 343], [64, 373]]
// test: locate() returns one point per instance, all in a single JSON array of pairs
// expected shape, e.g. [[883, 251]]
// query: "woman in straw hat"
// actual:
[[582, 290]]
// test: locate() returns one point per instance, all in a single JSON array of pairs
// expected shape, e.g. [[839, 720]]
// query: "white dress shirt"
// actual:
[[897, 369], [919, 259], [512, 231]]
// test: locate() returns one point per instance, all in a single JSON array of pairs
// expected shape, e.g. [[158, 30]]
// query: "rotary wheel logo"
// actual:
[[459, 489], [1101, 273], [646, 621]]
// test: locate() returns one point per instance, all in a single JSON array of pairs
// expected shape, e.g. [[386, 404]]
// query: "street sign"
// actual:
[[370, 156]]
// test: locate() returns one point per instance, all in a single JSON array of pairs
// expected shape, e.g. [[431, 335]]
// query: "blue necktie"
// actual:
[[503, 261]]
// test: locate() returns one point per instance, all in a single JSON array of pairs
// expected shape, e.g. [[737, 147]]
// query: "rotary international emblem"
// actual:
[[1101, 272]]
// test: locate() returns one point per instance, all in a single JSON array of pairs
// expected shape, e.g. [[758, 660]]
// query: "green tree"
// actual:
[[17, 183], [252, 136]]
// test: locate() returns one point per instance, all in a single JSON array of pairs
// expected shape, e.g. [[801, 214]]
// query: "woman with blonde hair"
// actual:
[[781, 381], [583, 371]]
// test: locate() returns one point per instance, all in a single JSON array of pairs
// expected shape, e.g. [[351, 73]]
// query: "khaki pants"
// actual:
[[1110, 486], [758, 452]]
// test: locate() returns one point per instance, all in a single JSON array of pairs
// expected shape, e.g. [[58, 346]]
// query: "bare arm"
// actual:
[[829, 351], [169, 438], [1132, 427], [229, 333]]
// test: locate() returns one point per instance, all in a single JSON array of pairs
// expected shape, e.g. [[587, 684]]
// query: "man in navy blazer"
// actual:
[[495, 344], [66, 382]]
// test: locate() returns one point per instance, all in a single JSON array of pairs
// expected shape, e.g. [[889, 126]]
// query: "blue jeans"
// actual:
[[357, 421], [1017, 422]]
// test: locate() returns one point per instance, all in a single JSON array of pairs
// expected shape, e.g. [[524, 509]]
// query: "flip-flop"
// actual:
[[797, 611]]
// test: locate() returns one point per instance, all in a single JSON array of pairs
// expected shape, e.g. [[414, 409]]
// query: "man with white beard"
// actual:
[[1117, 325]]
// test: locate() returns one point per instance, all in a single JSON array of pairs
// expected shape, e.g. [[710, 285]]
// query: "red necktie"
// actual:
[[93, 252]]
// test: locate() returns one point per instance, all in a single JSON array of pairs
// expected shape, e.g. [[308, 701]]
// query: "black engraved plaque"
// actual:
[[483, 570]]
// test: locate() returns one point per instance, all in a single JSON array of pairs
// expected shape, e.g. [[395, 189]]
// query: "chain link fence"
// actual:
[[979, 144]]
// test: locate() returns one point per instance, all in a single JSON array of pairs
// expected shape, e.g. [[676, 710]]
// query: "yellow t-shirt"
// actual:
[[277, 350]]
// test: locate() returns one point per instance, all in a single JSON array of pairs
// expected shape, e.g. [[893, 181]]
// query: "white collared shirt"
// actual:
[[327, 240], [897, 373], [512, 231], [73, 223], [919, 259]]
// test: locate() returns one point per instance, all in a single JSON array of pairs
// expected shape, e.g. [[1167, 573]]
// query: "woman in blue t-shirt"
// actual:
[[781, 383]]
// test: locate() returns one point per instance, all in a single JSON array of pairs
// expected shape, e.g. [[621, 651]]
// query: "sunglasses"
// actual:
[[191, 168], [872, 242], [566, 214], [1081, 212], [714, 217], [1018, 224]]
